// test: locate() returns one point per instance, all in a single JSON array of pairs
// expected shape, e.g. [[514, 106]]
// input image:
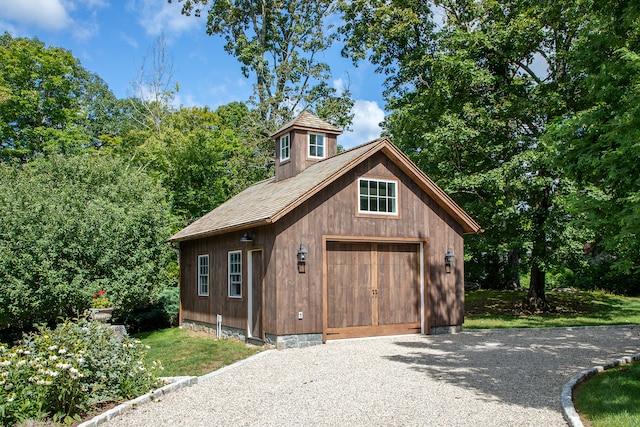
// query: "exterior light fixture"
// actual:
[[302, 259], [448, 260], [246, 237]]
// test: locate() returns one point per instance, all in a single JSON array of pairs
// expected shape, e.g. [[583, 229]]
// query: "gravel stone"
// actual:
[[508, 377]]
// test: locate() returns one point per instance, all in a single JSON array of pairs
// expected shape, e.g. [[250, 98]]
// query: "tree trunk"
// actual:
[[536, 296], [514, 270]]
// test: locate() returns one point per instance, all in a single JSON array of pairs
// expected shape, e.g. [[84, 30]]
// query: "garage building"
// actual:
[[335, 245]]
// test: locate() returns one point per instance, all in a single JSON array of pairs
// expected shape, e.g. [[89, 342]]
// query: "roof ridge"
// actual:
[[357, 147]]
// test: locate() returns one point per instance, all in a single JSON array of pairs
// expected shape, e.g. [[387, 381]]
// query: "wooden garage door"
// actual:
[[372, 289]]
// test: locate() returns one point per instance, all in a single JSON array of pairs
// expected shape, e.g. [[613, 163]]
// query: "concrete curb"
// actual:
[[175, 384], [568, 410]]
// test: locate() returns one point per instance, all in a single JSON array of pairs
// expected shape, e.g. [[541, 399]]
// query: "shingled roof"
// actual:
[[267, 201], [307, 121]]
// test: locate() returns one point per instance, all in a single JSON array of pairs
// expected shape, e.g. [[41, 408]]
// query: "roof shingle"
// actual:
[[262, 201], [306, 120]]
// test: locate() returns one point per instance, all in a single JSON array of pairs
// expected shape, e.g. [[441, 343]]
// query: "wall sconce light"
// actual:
[[302, 259], [246, 237], [448, 260]]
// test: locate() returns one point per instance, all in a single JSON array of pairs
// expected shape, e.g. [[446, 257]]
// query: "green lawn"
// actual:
[[185, 352], [486, 309], [611, 398]]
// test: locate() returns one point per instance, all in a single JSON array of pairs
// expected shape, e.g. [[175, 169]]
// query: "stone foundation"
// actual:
[[440, 330], [294, 341], [227, 332]]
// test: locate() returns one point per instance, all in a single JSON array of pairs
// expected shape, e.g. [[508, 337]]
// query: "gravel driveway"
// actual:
[[509, 377]]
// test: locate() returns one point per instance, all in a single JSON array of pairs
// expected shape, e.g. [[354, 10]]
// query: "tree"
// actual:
[[471, 98], [48, 102], [278, 42], [72, 226], [202, 157], [598, 141]]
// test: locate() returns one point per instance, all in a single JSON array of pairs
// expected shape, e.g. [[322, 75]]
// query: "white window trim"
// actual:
[[288, 139], [396, 197], [201, 275], [229, 274], [324, 145]]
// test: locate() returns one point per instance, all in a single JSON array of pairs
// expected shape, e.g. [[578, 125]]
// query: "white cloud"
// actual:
[[157, 17], [129, 40], [187, 100], [45, 14], [366, 124], [84, 30], [339, 85]]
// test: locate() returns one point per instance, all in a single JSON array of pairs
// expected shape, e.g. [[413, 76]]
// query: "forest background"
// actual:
[[525, 112]]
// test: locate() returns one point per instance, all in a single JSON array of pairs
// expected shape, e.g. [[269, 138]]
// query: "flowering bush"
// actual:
[[60, 373], [100, 300]]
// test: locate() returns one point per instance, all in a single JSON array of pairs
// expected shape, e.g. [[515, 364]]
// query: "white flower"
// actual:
[[53, 357], [21, 363], [62, 351], [53, 347], [5, 363], [80, 361]]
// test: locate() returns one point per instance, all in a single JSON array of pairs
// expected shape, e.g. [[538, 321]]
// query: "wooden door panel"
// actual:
[[398, 284], [349, 285], [256, 294], [372, 289]]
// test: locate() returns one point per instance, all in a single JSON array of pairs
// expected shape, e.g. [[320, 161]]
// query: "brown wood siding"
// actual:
[[298, 160], [206, 308], [333, 212]]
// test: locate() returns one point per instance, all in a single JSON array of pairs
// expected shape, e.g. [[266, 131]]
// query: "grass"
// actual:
[[185, 352], [611, 398], [487, 309]]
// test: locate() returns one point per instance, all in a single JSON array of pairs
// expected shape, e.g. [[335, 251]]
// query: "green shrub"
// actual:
[[74, 226], [58, 374], [161, 314]]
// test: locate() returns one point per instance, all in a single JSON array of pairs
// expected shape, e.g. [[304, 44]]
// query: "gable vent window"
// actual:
[[285, 148], [203, 275], [316, 146], [235, 274], [377, 196]]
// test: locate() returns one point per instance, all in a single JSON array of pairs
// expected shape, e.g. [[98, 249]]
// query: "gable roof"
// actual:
[[270, 200], [307, 121]]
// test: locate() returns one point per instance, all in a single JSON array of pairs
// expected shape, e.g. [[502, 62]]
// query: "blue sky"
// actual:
[[112, 38]]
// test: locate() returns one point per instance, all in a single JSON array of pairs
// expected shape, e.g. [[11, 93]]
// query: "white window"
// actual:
[[235, 274], [377, 196], [316, 145], [203, 275], [285, 148]]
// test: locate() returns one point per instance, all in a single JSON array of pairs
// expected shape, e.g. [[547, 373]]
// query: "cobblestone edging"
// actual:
[[568, 410], [175, 383]]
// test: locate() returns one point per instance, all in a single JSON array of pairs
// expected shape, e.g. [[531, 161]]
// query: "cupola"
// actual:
[[302, 142]]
